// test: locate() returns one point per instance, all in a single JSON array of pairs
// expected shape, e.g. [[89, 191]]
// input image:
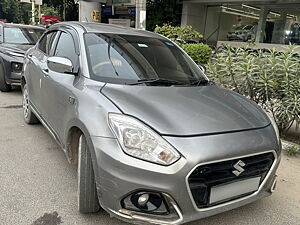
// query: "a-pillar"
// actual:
[[261, 26]]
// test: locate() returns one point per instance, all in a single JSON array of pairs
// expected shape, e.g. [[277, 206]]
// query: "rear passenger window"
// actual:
[[65, 47], [46, 42]]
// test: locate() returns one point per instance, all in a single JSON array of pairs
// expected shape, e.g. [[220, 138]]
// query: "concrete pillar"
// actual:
[[90, 10], [261, 26], [194, 14], [140, 14], [279, 29]]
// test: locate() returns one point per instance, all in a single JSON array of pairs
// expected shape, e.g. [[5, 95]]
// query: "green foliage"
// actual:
[[66, 9], [15, 11], [163, 11], [185, 33], [49, 10], [292, 150], [270, 78], [200, 53]]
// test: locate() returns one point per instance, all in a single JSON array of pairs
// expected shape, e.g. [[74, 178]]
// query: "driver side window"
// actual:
[[46, 43], [66, 48]]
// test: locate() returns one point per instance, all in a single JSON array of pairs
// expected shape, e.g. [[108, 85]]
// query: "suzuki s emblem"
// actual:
[[238, 168]]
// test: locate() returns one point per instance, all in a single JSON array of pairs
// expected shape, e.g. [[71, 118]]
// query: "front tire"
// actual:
[[87, 193], [29, 116], [4, 87]]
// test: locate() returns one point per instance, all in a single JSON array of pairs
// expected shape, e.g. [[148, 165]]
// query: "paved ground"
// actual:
[[38, 186]]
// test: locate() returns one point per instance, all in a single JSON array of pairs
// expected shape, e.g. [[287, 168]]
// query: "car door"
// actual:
[[35, 68], [57, 88]]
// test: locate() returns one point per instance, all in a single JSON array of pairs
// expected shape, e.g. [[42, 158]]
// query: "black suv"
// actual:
[[15, 40]]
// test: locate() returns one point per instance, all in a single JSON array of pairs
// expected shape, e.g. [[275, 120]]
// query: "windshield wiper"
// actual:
[[202, 82], [158, 81], [30, 43]]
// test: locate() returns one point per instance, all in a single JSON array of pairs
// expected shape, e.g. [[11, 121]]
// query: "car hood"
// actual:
[[17, 48], [187, 111]]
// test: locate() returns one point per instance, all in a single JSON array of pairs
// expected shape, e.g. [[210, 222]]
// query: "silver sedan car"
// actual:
[[155, 141]]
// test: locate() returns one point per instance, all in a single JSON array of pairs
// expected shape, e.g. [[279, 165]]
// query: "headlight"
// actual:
[[139, 141], [274, 126], [16, 67]]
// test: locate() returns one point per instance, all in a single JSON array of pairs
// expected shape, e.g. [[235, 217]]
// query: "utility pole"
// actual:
[[140, 14], [33, 11], [64, 10], [39, 14]]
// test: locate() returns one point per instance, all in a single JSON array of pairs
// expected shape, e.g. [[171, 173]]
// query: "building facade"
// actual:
[[267, 21]]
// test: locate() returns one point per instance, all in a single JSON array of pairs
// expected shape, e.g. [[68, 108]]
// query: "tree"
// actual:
[[15, 11], [67, 9], [161, 12]]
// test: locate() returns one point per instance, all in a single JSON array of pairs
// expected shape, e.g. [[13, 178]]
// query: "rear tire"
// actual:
[[87, 193], [4, 87], [29, 116]]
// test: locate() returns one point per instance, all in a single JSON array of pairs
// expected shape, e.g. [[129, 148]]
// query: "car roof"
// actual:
[[108, 28], [21, 25]]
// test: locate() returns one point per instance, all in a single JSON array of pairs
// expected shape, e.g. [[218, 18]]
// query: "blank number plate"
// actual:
[[227, 191]]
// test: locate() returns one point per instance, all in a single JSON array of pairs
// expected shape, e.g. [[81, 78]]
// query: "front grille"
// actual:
[[204, 177]]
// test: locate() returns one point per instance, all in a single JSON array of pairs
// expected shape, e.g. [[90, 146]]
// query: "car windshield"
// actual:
[[22, 35], [127, 58]]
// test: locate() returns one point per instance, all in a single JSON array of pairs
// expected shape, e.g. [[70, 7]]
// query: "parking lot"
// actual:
[[38, 186]]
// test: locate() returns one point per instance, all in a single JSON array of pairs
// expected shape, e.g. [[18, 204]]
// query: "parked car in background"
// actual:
[[15, 40], [153, 139], [242, 33], [293, 35], [47, 21]]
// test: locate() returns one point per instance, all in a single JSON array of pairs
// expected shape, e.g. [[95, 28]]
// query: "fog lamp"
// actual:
[[143, 199], [146, 202]]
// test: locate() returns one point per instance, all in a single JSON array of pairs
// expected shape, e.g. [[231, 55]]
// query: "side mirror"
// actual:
[[202, 68], [60, 64]]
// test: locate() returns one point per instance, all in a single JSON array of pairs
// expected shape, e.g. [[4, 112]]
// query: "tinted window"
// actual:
[[128, 57], [65, 47], [46, 42], [22, 36]]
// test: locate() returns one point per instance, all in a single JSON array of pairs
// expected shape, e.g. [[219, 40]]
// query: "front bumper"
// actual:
[[12, 78], [118, 174]]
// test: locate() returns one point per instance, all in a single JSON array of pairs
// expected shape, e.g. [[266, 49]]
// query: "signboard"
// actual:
[[95, 15], [131, 11], [121, 1], [107, 10], [37, 2], [121, 22], [124, 2]]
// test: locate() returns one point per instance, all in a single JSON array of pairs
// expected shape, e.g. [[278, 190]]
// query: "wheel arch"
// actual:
[[75, 129], [73, 133]]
